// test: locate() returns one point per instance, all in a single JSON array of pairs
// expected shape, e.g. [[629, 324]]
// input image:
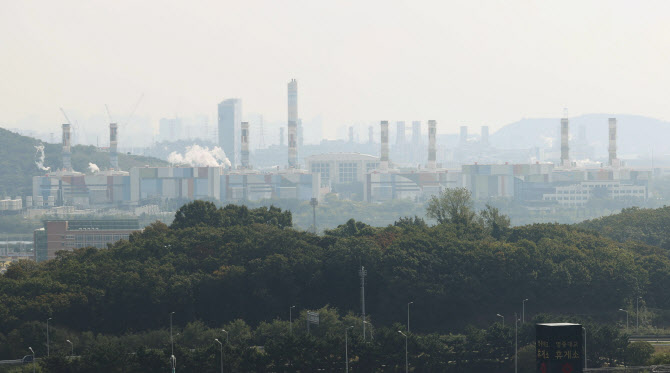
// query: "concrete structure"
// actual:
[[68, 235], [463, 138], [293, 124], [67, 150], [244, 140], [576, 195], [10, 206], [612, 141], [384, 159], [400, 133], [432, 147], [230, 119], [185, 183], [247, 186], [113, 143], [415, 185], [340, 168], [565, 146]]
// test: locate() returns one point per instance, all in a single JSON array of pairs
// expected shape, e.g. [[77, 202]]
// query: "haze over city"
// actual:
[[462, 63]]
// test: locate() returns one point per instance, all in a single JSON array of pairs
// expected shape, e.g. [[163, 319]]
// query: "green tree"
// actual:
[[453, 205], [639, 353], [496, 223]]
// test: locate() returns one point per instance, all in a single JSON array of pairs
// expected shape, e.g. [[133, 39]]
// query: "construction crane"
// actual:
[[134, 109], [109, 115]]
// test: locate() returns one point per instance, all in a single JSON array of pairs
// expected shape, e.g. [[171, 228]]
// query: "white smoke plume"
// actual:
[[39, 153], [93, 167], [197, 156]]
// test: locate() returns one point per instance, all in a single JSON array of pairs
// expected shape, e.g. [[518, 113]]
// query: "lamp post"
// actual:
[[71, 345], [346, 346], [48, 336], [516, 343], [33, 352], [622, 310], [220, 344], [173, 360], [503, 319], [408, 315], [224, 330], [406, 361], [523, 311], [585, 357], [290, 319]]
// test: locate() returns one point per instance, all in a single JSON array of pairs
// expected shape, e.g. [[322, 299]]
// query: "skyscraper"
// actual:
[[230, 117]]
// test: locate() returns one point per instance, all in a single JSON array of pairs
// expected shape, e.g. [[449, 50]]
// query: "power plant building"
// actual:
[[230, 121]]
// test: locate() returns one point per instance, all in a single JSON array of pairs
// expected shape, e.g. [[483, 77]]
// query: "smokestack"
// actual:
[[400, 133], [351, 134], [67, 151], [485, 135], [281, 136], [384, 159], [370, 135], [612, 147], [565, 147], [244, 149], [464, 135], [432, 132], [293, 124], [113, 143], [416, 133]]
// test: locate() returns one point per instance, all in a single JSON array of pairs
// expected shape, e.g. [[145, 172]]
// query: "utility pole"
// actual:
[[516, 343], [363, 273]]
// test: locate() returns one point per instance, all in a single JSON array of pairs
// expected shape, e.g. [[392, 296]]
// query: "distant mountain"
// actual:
[[637, 135], [18, 155]]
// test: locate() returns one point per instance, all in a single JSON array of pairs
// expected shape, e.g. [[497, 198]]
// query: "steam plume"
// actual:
[[39, 154], [198, 156], [93, 167]]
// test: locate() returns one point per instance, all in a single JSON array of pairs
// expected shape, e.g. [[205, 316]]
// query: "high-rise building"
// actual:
[[230, 118], [293, 123]]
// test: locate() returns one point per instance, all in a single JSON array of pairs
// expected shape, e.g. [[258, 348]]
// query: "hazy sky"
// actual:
[[460, 62]]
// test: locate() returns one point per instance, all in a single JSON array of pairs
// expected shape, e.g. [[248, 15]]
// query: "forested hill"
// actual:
[[18, 156], [217, 265], [651, 226]]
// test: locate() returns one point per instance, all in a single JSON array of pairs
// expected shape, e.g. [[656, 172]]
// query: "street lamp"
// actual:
[[406, 361], [523, 311], [516, 343], [408, 315], [290, 319], [503, 318], [48, 336], [173, 360], [346, 346], [224, 330], [585, 357], [622, 310], [33, 352], [220, 344], [71, 345]]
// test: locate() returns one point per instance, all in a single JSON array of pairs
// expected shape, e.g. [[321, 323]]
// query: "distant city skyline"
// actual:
[[460, 63]]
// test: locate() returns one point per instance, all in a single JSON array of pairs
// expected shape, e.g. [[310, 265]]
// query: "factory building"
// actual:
[[175, 183], [577, 195], [73, 234], [340, 168], [240, 187]]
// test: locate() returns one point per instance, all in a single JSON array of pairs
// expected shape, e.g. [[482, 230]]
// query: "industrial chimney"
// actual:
[[113, 143], [432, 132], [400, 133], [293, 124], [67, 151], [485, 135], [565, 147], [244, 140], [612, 147], [464, 135], [384, 159]]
